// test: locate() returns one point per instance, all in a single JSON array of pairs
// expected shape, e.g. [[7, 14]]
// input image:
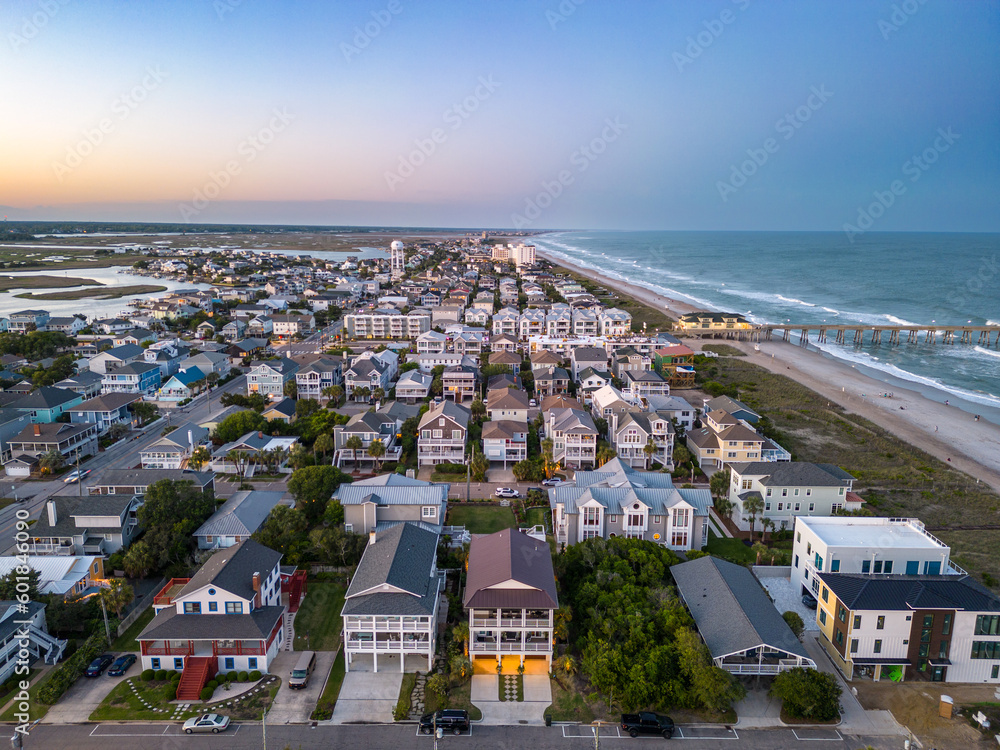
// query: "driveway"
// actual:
[[296, 706], [537, 697], [786, 597], [367, 697], [84, 696]]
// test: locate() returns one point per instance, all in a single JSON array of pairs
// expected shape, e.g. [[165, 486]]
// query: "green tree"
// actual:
[[354, 443], [9, 582], [549, 465], [313, 486], [682, 456], [710, 686], [604, 454], [117, 596], [334, 513], [460, 634], [171, 512], [807, 694], [144, 411], [478, 408], [138, 560], [376, 449], [323, 445], [241, 460], [291, 389], [479, 466], [362, 394], [51, 461], [719, 483], [286, 531], [378, 394], [649, 450], [306, 407], [298, 456], [237, 425], [753, 506], [199, 457]]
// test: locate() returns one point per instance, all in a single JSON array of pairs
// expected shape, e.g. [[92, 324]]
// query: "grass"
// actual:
[[569, 705], [730, 549], [895, 478], [536, 517], [319, 617], [402, 710], [36, 709], [42, 282], [7, 695], [724, 349], [324, 707], [5, 501], [114, 292], [127, 640], [482, 520], [122, 704], [459, 696], [518, 682]]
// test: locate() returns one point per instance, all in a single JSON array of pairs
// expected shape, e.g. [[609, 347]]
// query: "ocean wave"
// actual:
[[993, 322], [898, 321], [981, 350], [795, 301], [867, 360]]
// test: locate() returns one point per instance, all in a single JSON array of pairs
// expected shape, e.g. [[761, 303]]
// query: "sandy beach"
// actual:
[[973, 447]]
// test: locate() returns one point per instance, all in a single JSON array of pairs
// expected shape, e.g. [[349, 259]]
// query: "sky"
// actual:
[[587, 114]]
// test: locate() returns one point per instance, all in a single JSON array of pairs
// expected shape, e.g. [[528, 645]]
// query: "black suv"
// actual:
[[450, 720]]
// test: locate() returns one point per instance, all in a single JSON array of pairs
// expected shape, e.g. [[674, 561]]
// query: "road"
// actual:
[[248, 734], [312, 344], [124, 454]]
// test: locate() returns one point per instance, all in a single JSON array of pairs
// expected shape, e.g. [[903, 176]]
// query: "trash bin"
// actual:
[[548, 720]]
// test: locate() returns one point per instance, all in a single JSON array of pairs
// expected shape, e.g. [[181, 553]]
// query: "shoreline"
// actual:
[[972, 447]]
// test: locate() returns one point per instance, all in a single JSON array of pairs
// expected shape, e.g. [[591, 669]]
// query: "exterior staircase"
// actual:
[[197, 670]]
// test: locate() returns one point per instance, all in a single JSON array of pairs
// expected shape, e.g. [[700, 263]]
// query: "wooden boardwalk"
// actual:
[[859, 334]]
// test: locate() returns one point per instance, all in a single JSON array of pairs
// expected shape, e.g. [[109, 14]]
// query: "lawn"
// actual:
[[518, 682], [459, 696], [127, 640], [569, 705], [537, 517], [324, 708], [317, 624], [482, 519], [36, 709], [123, 704], [730, 549]]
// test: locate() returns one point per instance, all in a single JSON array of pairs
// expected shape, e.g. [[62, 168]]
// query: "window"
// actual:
[[213, 606], [192, 608], [230, 663], [888, 566], [819, 562], [234, 608], [798, 536], [784, 492], [798, 507], [925, 635], [613, 519], [987, 625], [840, 638], [428, 511], [436, 434], [866, 566], [796, 492], [854, 645], [812, 507], [635, 519], [943, 650], [842, 614], [179, 664], [746, 484], [796, 561], [996, 672], [154, 663], [880, 622], [928, 621], [426, 434], [679, 538], [857, 621], [826, 594], [767, 506], [841, 490], [809, 548], [834, 566], [456, 434], [878, 566], [985, 650], [781, 506], [924, 649], [946, 626], [656, 519], [877, 648], [808, 491], [768, 492], [822, 616]]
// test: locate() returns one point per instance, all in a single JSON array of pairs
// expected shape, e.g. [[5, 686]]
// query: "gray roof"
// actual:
[[69, 507], [906, 593], [232, 569], [402, 557], [255, 625], [450, 409], [125, 351], [12, 612], [730, 608], [509, 555], [794, 473], [727, 403], [46, 397], [392, 489], [241, 515], [146, 477]]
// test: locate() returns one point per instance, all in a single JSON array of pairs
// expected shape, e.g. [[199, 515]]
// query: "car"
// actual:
[[452, 720], [809, 600], [98, 665], [506, 492], [76, 475], [121, 665], [647, 722], [213, 723], [532, 402], [554, 482]]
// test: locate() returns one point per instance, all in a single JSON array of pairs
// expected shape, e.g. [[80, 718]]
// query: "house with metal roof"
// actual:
[[174, 449], [617, 500], [386, 500], [390, 609], [68, 576], [735, 618], [511, 599], [23, 628], [228, 616], [237, 519]]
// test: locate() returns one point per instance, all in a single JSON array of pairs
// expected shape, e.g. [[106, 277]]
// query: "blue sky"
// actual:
[[723, 114]]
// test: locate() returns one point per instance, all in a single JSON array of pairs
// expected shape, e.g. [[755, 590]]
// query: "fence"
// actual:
[[139, 608]]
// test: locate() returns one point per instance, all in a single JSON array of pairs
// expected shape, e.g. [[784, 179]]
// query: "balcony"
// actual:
[[167, 594], [510, 648]]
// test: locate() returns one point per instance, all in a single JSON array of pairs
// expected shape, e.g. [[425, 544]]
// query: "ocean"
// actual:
[[813, 277]]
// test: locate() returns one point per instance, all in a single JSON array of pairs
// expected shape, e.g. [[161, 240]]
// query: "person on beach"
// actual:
[[935, 428]]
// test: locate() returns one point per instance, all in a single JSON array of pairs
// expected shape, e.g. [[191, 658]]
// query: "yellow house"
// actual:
[[713, 322]]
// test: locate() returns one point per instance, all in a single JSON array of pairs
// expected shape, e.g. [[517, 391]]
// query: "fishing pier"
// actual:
[[985, 336]]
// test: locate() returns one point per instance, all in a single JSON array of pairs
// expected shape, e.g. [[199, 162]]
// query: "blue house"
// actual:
[[179, 386], [48, 403], [135, 377]]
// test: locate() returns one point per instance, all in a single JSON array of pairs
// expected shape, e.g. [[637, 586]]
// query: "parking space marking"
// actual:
[[150, 730], [835, 738], [706, 733]]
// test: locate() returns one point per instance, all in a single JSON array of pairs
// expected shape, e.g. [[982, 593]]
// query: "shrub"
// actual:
[[67, 673], [438, 684], [255, 675], [231, 676], [147, 675], [175, 676], [448, 468], [242, 677], [161, 674], [206, 693], [212, 684], [807, 694], [794, 621], [171, 691], [220, 677]]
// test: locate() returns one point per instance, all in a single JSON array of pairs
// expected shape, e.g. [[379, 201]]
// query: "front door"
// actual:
[[937, 675]]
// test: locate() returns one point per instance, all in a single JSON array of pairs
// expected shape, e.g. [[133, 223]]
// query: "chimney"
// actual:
[[50, 506], [37, 428], [256, 591], [260, 434], [191, 439], [371, 537]]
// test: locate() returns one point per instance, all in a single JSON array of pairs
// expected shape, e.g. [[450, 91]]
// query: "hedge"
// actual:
[[206, 693], [448, 468], [147, 675], [212, 684], [161, 674], [71, 669], [175, 676], [243, 677], [231, 676], [171, 691], [255, 675]]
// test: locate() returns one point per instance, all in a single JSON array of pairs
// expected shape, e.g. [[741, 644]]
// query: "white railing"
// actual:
[[387, 646], [383, 627], [509, 647], [753, 668]]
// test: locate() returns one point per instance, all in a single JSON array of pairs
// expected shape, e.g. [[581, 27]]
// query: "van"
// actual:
[[300, 675]]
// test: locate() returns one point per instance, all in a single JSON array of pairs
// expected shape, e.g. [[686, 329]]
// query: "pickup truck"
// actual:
[[646, 722]]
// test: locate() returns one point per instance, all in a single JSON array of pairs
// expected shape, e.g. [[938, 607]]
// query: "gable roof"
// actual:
[[46, 397], [449, 409], [392, 489], [730, 608], [402, 557], [241, 515], [509, 555], [794, 473], [232, 569]]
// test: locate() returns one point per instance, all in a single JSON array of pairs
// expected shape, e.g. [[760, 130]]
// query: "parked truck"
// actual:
[[646, 722]]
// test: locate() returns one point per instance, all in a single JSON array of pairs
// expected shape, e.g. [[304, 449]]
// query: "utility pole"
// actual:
[[468, 478], [107, 626], [79, 479], [263, 727]]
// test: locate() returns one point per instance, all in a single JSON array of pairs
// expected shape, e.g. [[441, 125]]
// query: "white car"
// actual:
[[76, 475], [554, 482], [506, 492], [213, 723]]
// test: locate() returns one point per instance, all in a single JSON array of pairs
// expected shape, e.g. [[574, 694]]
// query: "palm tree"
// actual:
[[378, 393], [199, 457], [478, 408], [354, 444], [376, 450], [279, 455], [362, 394], [212, 378], [51, 461], [461, 633], [241, 460], [298, 456], [752, 507], [323, 444], [549, 464], [604, 454], [118, 595], [332, 393], [649, 449]]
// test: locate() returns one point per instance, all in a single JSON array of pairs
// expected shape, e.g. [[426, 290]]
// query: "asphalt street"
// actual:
[[249, 735]]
